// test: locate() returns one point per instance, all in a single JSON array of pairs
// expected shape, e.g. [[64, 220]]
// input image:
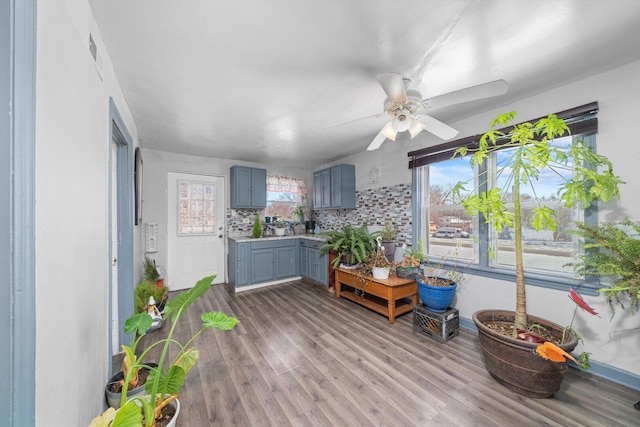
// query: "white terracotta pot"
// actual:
[[280, 231], [380, 272]]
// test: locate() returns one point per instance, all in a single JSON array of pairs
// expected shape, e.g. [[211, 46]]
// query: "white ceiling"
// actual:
[[283, 82]]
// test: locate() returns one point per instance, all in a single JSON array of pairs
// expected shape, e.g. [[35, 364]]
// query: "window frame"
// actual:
[[483, 267]]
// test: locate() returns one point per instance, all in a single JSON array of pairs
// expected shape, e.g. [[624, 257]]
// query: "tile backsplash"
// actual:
[[376, 207], [373, 206]]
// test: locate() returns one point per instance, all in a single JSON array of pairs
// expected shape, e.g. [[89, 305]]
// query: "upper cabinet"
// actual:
[[248, 188], [335, 187]]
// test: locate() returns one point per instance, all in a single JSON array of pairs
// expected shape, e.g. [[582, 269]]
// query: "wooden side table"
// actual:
[[384, 296]]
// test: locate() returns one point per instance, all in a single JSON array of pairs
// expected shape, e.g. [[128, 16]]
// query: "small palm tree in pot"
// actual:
[[533, 151]]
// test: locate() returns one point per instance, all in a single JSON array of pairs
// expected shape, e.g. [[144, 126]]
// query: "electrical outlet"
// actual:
[[245, 220]]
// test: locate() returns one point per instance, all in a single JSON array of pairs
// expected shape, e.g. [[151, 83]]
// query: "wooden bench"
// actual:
[[389, 297]]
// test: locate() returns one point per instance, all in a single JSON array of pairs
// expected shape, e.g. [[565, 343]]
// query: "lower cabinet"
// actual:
[[238, 263], [317, 265], [254, 262]]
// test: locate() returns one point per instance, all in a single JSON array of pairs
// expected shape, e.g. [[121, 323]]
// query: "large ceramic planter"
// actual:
[[437, 298], [113, 398], [514, 363]]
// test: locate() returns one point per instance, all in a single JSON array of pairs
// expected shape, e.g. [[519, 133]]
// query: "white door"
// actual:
[[196, 229]]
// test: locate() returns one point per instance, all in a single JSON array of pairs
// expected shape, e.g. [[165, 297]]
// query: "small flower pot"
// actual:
[[380, 272]]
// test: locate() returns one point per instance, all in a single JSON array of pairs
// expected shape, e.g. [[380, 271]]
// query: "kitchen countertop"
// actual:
[[312, 237]]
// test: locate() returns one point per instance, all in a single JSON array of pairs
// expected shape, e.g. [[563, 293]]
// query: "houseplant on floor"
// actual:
[[165, 380], [593, 179], [351, 244], [437, 285], [613, 252]]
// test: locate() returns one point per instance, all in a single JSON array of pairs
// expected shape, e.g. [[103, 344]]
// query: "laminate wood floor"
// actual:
[[301, 357]]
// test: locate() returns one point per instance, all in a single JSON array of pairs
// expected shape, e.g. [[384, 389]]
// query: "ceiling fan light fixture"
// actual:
[[416, 128], [389, 132], [402, 121]]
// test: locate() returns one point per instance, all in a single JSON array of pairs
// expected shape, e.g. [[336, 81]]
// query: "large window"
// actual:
[[448, 230], [284, 194]]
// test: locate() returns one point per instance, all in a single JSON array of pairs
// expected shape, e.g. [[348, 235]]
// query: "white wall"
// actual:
[[72, 170], [618, 94], [157, 165]]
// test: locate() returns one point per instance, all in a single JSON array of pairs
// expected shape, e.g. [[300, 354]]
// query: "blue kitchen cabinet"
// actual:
[[322, 189], [317, 264], [304, 263], [238, 263], [335, 188], [274, 260], [286, 259], [248, 187], [262, 265]]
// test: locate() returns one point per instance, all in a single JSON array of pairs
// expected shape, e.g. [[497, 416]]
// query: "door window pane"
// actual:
[[196, 206]]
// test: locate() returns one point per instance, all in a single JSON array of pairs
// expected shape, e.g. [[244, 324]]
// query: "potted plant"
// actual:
[[437, 285], [257, 227], [613, 251], [145, 290], [593, 179], [151, 273], [352, 245], [135, 375], [280, 228], [166, 379], [377, 262], [411, 261], [388, 234], [299, 212]]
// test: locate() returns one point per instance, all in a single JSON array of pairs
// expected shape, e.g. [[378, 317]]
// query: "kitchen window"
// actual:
[[446, 229], [284, 194]]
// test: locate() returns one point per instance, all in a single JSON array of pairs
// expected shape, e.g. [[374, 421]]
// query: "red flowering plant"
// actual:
[[554, 353]]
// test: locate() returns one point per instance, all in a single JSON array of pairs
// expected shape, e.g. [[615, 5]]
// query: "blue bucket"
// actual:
[[437, 298]]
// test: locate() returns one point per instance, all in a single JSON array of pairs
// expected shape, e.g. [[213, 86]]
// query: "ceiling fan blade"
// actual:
[[377, 142], [393, 86], [355, 121], [472, 93], [436, 127]]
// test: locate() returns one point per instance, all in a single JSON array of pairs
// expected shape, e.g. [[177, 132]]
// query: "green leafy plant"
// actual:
[[165, 380], [412, 257], [145, 289], [613, 249], [354, 241], [388, 233], [593, 179], [151, 273], [257, 227]]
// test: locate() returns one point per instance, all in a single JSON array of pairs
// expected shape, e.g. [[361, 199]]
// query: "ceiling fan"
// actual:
[[407, 109]]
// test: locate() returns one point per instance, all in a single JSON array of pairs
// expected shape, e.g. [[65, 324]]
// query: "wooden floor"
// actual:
[[301, 357]]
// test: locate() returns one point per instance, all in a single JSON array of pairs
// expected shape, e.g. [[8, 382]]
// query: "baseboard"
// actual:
[[598, 369]]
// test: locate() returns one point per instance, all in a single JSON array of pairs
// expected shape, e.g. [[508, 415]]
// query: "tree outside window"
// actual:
[[284, 194]]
